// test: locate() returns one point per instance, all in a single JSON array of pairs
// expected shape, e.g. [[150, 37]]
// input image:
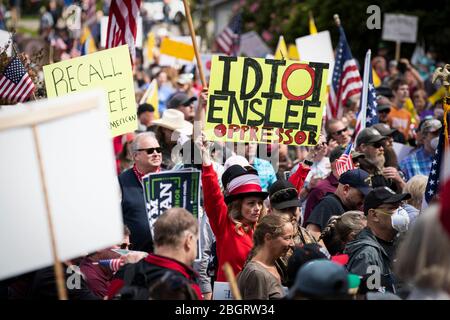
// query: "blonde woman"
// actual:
[[423, 259], [260, 280]]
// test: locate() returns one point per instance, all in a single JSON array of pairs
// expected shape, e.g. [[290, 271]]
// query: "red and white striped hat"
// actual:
[[240, 182]]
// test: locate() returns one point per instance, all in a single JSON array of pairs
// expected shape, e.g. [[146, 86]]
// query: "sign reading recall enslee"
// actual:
[[265, 100], [108, 69]]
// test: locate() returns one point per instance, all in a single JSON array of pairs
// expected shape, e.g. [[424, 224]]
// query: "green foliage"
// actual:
[[290, 19]]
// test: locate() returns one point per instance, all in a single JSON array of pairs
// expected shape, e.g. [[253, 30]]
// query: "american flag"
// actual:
[[346, 80], [228, 41], [112, 264], [445, 176], [122, 24], [369, 117], [15, 83], [345, 161], [433, 179]]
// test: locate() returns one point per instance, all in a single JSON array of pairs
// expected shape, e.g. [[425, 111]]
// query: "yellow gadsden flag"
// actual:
[[293, 52], [281, 52], [150, 45], [312, 24]]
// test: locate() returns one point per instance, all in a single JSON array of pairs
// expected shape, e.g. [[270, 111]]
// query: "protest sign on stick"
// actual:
[[265, 100], [399, 28], [53, 209], [165, 190], [108, 69]]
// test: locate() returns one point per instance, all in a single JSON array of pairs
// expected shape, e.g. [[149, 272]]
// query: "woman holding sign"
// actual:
[[232, 216]]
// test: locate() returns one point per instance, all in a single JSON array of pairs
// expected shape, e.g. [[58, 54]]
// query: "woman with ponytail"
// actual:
[[260, 280]]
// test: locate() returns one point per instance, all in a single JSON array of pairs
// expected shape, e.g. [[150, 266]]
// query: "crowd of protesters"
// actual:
[[291, 228]]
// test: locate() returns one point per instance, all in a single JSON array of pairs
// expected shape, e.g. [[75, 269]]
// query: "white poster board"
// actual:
[[4, 38], [318, 48], [400, 28], [104, 29], [401, 150], [165, 60], [79, 169], [251, 45], [222, 291]]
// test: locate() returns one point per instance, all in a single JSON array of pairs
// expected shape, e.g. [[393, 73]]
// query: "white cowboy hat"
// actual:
[[174, 120]]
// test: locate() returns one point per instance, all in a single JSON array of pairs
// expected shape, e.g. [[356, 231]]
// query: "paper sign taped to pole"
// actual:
[[83, 192], [265, 100], [317, 47], [400, 28], [108, 69]]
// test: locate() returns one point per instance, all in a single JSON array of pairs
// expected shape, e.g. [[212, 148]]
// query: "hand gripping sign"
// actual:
[[265, 100]]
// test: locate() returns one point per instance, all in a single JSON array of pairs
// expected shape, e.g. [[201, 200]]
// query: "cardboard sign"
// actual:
[[104, 29], [108, 69], [177, 49], [400, 28], [317, 47], [222, 291], [83, 192], [251, 45], [265, 100], [170, 189]]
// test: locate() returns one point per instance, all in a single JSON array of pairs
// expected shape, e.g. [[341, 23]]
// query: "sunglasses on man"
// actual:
[[339, 132], [125, 246], [376, 145], [151, 150]]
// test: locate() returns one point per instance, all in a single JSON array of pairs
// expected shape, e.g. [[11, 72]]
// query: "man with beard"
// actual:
[[388, 144], [370, 142]]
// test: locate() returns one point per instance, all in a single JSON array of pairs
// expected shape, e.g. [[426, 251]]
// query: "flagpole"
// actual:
[[365, 89], [194, 43]]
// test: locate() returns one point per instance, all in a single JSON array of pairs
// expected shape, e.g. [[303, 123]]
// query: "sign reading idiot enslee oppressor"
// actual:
[[265, 100], [108, 69]]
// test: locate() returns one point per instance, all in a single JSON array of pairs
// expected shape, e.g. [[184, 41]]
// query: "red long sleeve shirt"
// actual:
[[231, 247]]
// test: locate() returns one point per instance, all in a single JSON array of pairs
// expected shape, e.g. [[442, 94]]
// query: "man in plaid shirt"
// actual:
[[419, 161]]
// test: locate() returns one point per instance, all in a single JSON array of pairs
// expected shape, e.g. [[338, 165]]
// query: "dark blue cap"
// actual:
[[358, 179]]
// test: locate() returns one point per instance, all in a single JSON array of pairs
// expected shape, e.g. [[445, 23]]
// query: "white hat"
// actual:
[[174, 120], [240, 160]]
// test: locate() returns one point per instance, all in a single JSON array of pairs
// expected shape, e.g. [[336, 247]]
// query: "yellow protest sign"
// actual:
[[265, 100], [177, 49], [108, 69]]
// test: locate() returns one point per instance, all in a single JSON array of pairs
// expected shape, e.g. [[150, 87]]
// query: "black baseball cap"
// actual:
[[336, 153], [358, 179], [368, 135], [383, 107], [384, 129], [383, 195], [282, 195], [180, 99], [145, 107]]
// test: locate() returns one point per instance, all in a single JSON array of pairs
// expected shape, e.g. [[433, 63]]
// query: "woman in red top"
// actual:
[[232, 217]]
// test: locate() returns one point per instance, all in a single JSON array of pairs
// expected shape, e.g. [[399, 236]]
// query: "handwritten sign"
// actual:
[[265, 100], [107, 69]]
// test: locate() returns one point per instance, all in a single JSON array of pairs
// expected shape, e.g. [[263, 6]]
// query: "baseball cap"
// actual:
[[383, 195], [431, 125], [383, 107], [145, 107], [320, 278], [180, 99], [282, 195], [384, 129], [336, 153], [358, 179], [368, 135]]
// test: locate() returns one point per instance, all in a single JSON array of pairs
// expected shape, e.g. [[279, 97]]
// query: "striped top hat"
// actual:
[[239, 182]]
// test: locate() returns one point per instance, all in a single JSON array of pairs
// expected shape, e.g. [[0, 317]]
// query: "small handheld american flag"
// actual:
[[15, 82], [345, 161]]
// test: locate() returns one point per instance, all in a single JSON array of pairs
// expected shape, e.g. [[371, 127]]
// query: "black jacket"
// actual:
[[366, 255]]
